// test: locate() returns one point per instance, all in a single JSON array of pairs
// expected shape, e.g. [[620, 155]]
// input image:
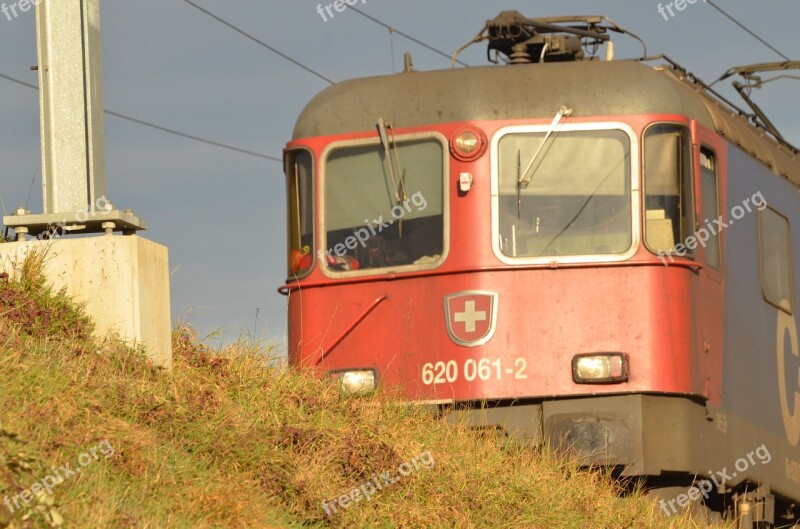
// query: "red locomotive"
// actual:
[[592, 252]]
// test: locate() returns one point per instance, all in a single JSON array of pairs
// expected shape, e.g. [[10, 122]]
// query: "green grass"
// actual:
[[225, 441]]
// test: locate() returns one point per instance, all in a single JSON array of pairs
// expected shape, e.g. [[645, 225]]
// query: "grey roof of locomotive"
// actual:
[[535, 91]]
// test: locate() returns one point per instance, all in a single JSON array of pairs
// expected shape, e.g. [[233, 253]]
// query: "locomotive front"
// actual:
[[491, 236]]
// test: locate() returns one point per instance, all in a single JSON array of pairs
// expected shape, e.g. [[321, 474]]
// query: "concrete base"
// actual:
[[124, 281]]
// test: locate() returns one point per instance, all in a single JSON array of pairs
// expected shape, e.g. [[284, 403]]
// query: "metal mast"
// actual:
[[74, 196]]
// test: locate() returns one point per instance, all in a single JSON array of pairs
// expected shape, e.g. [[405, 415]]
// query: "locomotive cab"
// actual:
[[553, 265]]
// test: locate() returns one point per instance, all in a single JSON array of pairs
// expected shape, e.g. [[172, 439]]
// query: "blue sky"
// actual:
[[222, 213]]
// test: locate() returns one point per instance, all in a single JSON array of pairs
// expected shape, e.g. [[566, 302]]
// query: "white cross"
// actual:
[[470, 316]]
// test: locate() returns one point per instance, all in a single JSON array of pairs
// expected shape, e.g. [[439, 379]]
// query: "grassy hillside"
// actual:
[[224, 441]]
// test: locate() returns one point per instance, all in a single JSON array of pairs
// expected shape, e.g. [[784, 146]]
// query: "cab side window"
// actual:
[[669, 200], [710, 204], [299, 172], [776, 259]]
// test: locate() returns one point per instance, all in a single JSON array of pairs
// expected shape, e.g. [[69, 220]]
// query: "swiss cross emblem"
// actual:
[[471, 317]]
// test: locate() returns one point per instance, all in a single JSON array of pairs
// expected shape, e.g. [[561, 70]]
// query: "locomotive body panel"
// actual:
[[490, 320]]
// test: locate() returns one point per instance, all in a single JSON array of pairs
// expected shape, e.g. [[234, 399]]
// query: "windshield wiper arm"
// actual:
[[519, 180], [398, 188], [524, 178]]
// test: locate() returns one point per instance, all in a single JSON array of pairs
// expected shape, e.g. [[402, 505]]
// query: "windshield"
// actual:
[[575, 199], [384, 212]]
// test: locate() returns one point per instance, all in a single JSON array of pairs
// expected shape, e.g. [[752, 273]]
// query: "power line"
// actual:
[[191, 137], [23, 83], [165, 129], [259, 42], [407, 36], [762, 41]]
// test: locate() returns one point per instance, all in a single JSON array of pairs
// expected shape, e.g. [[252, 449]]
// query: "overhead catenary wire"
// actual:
[[23, 83], [192, 137], [748, 30], [164, 129], [258, 41], [268, 47], [405, 35]]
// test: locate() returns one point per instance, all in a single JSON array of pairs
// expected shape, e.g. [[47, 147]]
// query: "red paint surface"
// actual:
[[544, 316]]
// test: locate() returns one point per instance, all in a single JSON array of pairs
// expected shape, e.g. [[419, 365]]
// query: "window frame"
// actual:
[[635, 186], [790, 259], [691, 254], [373, 141], [312, 205]]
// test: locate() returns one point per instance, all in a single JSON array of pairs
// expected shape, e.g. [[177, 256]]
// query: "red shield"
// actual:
[[471, 317]]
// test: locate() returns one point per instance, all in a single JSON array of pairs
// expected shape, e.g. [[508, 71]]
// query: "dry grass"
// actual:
[[226, 441]]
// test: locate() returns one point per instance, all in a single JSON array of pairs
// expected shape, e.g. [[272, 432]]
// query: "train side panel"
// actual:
[[751, 413]]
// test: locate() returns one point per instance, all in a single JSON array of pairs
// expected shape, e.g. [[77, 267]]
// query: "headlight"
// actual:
[[600, 368], [468, 144], [357, 382]]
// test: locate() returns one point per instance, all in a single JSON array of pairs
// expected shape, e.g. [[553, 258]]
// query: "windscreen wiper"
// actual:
[[524, 178], [519, 180], [398, 184]]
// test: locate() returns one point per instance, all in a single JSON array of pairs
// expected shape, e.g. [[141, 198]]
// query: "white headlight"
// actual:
[[468, 144], [600, 368], [356, 381]]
